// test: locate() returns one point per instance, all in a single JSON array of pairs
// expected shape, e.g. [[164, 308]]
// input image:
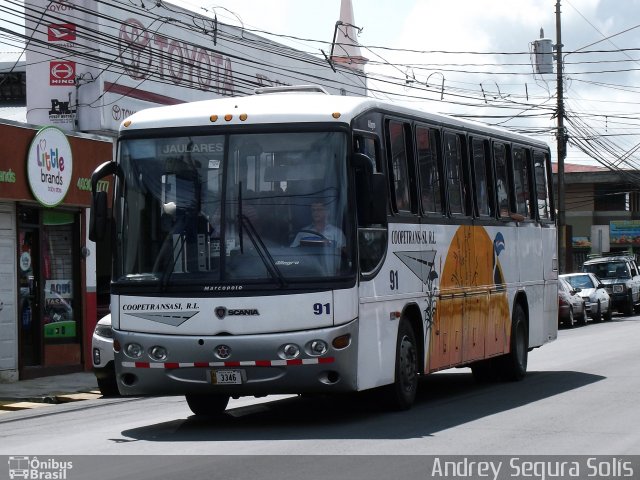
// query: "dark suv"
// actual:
[[621, 277]]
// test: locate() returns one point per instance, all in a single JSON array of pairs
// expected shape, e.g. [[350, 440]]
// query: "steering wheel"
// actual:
[[322, 240]]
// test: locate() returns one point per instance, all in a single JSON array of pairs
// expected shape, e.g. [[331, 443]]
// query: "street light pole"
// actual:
[[562, 151]]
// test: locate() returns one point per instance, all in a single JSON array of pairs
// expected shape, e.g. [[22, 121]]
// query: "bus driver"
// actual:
[[320, 230]]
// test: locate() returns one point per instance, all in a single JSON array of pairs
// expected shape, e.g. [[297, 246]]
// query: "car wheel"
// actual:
[[207, 405], [571, 320], [628, 311], [597, 316], [608, 313], [108, 386]]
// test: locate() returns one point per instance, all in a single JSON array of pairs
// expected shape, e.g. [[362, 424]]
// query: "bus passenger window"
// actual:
[[502, 178], [455, 176], [481, 178], [542, 186], [521, 182], [430, 189], [399, 170]]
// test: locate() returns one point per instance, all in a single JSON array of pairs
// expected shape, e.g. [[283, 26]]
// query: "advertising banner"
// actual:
[[624, 232], [92, 64]]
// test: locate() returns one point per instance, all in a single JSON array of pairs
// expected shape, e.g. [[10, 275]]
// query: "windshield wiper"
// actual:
[[170, 268], [262, 250], [257, 242]]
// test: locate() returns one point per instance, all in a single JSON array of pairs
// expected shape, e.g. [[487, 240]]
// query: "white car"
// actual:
[[102, 355], [593, 291]]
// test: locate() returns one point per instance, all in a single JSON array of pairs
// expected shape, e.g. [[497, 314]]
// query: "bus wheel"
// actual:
[[402, 393], [514, 364], [207, 405]]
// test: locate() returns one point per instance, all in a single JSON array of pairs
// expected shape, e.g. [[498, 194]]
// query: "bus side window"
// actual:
[[542, 185], [398, 171], [521, 181], [502, 179], [429, 167], [482, 177], [367, 145], [454, 164]]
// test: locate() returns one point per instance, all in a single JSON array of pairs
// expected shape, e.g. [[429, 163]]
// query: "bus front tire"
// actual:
[[402, 392], [513, 365], [207, 405]]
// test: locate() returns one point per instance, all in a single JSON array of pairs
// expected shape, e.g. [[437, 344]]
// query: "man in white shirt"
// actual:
[[319, 231]]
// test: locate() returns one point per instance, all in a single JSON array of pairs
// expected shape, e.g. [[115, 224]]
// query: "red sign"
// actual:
[[61, 32], [62, 73]]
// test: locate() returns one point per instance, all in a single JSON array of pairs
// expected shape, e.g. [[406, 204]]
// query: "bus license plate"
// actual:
[[226, 377]]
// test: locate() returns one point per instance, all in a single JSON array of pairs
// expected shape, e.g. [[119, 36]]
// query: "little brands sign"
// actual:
[[50, 166]]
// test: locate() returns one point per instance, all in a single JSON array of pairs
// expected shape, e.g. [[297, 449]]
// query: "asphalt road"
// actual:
[[581, 397]]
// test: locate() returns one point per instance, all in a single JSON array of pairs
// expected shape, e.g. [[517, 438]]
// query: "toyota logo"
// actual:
[[221, 312]]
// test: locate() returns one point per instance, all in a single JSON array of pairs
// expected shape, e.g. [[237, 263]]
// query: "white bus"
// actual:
[[298, 242]]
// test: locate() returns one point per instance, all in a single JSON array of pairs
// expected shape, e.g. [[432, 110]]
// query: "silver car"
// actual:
[[593, 291], [102, 356]]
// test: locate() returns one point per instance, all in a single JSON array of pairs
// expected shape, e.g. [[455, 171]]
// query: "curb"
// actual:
[[16, 404]]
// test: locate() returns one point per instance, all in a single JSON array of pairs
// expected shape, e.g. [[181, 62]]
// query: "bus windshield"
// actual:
[[239, 209]]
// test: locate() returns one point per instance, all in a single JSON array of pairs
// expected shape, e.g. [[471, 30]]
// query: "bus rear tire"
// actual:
[[401, 394], [513, 365], [207, 405]]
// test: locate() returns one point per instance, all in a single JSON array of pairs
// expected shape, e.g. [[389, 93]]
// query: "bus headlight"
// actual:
[[317, 347], [158, 353], [289, 351], [133, 350]]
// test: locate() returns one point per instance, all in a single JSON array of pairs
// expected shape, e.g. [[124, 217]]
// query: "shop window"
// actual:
[[60, 324]]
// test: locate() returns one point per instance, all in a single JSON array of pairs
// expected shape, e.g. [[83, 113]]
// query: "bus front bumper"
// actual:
[[239, 365]]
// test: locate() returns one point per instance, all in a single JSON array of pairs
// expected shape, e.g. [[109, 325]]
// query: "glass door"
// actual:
[[29, 284]]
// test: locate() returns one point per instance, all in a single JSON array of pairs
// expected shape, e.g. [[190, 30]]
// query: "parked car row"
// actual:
[[582, 296], [621, 277], [608, 283]]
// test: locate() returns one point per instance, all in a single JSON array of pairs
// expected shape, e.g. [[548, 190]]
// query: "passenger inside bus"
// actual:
[[320, 231]]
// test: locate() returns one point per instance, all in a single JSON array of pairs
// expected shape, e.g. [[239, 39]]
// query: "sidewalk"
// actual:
[[48, 390]]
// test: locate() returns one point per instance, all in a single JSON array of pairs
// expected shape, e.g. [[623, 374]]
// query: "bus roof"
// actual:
[[290, 107]]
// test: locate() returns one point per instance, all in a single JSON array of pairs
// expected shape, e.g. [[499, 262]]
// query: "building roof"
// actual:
[[12, 61], [578, 168], [15, 114]]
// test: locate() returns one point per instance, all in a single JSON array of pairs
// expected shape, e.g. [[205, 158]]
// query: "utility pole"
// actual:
[[562, 150]]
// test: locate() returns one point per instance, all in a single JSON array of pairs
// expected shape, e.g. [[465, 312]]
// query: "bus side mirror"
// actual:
[[98, 217]]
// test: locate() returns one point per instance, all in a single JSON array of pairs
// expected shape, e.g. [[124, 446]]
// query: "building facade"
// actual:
[[602, 212], [48, 295]]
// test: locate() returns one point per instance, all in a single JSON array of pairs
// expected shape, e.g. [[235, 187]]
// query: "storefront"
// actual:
[[48, 271]]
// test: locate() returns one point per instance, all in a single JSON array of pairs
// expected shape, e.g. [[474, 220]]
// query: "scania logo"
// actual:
[[222, 312], [222, 351]]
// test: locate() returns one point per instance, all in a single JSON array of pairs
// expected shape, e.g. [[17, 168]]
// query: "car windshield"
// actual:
[[604, 270], [580, 281], [268, 208]]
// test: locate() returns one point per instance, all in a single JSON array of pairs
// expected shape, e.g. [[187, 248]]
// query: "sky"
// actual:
[[472, 58], [601, 88]]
